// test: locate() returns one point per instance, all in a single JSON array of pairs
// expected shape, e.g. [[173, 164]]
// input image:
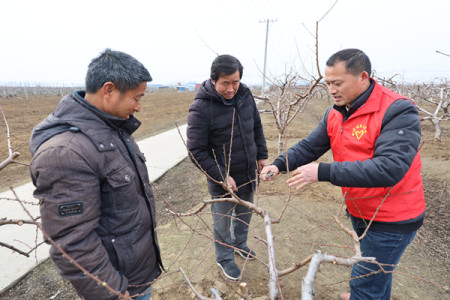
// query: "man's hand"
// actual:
[[261, 164], [232, 184], [269, 172], [126, 296], [304, 175]]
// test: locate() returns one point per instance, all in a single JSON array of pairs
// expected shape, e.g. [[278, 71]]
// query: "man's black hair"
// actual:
[[225, 65], [120, 68], [355, 60]]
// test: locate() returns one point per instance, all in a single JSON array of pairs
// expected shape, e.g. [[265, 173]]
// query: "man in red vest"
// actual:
[[374, 136]]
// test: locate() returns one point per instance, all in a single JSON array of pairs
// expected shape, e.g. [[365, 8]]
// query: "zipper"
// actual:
[[341, 142]]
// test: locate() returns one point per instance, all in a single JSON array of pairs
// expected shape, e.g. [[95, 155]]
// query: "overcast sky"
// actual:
[[52, 42]]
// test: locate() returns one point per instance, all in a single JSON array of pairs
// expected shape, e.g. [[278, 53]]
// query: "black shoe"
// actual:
[[230, 270], [244, 252]]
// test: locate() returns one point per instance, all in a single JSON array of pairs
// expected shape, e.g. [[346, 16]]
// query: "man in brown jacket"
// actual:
[[91, 177]]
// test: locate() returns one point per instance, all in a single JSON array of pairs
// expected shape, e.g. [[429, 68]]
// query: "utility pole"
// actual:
[[265, 54]]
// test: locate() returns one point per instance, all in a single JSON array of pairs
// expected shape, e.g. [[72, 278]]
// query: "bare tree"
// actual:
[[25, 90], [441, 108], [430, 98], [291, 94], [4, 221]]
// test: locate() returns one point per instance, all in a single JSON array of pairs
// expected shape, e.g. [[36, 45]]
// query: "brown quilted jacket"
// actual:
[[97, 201]]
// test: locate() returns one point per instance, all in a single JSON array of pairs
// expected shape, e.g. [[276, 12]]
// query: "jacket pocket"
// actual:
[[119, 190], [124, 255], [141, 165]]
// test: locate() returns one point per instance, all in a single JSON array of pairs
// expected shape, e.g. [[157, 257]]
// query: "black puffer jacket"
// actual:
[[210, 123], [97, 201]]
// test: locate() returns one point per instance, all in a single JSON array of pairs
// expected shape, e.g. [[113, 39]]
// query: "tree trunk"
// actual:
[[437, 128], [281, 141]]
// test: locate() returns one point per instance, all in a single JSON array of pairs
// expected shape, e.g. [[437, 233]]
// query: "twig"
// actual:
[[14, 249], [192, 156], [197, 294], [3, 221], [205, 203], [295, 266], [24, 202], [231, 145], [12, 155], [68, 257], [376, 212], [328, 11], [437, 51]]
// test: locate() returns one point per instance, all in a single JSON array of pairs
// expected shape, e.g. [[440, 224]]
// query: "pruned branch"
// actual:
[[319, 258], [4, 221], [295, 266], [197, 294], [14, 249], [12, 155]]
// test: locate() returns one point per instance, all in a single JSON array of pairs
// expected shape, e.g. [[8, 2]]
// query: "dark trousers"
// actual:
[[230, 227], [387, 248]]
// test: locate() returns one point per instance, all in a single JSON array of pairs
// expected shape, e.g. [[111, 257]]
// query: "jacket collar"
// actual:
[[130, 125], [359, 102], [208, 91]]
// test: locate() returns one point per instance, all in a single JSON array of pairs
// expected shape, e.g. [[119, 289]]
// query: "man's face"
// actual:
[[122, 105], [228, 85], [343, 86]]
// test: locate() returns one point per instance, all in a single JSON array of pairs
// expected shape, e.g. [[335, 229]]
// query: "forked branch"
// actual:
[[11, 154]]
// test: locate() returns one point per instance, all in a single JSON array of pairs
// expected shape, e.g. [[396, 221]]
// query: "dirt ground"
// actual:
[[160, 112], [306, 225]]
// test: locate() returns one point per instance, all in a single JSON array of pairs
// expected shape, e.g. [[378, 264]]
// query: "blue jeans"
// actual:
[[148, 294], [222, 221], [387, 248]]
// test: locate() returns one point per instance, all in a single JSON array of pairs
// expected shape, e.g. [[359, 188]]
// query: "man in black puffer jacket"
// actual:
[[223, 116]]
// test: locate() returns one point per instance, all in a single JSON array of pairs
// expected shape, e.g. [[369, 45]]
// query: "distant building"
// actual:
[[179, 87], [164, 88], [155, 87]]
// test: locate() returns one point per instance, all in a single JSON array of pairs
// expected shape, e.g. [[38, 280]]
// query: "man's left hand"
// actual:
[[304, 175], [261, 164], [126, 296]]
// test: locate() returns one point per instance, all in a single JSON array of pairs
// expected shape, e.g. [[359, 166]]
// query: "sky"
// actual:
[[50, 42]]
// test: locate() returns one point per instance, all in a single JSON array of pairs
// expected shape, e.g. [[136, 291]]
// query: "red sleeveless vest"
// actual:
[[355, 140]]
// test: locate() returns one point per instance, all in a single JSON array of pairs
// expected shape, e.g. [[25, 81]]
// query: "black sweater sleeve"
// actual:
[[307, 150]]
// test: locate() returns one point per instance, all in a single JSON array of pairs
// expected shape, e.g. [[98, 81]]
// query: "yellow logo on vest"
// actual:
[[359, 131]]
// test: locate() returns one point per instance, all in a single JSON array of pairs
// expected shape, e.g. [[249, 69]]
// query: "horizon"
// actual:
[[177, 41]]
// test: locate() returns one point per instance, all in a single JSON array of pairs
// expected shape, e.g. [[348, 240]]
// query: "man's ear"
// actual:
[[365, 75], [107, 89]]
